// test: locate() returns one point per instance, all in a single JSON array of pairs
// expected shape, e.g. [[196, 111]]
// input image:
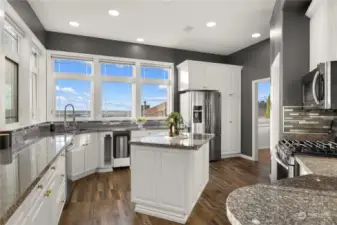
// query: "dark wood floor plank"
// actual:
[[104, 199]]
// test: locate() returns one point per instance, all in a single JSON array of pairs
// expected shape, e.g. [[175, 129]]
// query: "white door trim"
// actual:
[[255, 153]]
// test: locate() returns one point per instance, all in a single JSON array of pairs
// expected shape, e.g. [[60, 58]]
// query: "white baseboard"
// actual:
[[237, 155], [104, 170], [175, 217], [247, 157]]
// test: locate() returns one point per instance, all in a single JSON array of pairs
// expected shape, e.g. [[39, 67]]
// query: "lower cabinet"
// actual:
[[45, 202]]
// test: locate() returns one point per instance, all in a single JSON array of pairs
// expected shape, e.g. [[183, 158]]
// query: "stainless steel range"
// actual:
[[287, 149]]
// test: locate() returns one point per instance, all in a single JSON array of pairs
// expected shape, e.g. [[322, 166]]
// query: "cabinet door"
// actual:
[[225, 126], [231, 125], [77, 162], [235, 125], [218, 78], [91, 161], [235, 84], [197, 75]]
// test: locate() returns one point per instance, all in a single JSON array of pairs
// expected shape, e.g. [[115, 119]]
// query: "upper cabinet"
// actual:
[[323, 31], [214, 76]]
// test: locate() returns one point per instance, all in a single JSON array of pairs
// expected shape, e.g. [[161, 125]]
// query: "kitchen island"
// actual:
[[168, 175]]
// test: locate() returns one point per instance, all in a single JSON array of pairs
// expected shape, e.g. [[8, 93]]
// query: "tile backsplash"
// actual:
[[303, 120]]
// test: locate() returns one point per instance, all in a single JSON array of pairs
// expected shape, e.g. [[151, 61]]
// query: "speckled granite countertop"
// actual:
[[323, 166], [190, 142], [22, 169], [310, 199]]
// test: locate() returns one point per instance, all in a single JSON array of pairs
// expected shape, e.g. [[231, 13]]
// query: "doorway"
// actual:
[[261, 118]]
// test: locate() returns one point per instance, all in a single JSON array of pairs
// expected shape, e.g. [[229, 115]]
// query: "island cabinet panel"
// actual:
[[167, 182], [143, 171], [171, 180]]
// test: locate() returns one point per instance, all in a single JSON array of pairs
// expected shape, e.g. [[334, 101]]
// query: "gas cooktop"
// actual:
[[317, 148]]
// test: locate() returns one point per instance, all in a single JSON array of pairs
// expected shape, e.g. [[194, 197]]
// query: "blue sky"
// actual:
[[115, 96], [263, 90]]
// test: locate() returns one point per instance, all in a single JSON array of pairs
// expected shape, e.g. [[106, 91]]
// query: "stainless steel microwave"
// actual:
[[320, 86]]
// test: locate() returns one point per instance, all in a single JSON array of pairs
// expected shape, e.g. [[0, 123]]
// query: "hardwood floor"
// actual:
[[104, 199]]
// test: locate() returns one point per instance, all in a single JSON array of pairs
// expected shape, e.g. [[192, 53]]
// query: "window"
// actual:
[[11, 38], [154, 73], [154, 100], [11, 92], [123, 70], [75, 92], [155, 91], [121, 88], [34, 84], [116, 99], [72, 66]]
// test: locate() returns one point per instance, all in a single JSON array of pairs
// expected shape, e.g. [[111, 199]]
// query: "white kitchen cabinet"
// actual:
[[76, 158], [38, 208], [91, 158], [231, 125], [323, 31], [214, 76]]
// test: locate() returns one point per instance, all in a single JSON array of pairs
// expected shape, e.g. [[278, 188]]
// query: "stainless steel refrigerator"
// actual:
[[201, 111]]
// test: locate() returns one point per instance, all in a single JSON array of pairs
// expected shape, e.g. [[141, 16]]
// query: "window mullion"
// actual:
[[97, 91]]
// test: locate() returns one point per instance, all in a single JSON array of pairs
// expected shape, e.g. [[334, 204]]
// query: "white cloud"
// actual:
[[86, 94], [162, 86], [61, 98], [66, 89], [79, 98]]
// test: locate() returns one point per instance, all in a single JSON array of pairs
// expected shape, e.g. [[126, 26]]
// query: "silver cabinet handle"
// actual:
[[314, 87]]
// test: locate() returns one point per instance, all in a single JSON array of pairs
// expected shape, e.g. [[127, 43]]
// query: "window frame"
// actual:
[[34, 69], [14, 57], [97, 80]]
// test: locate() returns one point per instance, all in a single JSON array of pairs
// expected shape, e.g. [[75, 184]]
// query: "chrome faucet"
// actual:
[[65, 116]]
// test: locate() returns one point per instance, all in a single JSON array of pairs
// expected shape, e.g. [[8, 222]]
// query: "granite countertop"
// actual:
[[22, 169], [318, 165], [309, 199], [112, 129], [190, 142]]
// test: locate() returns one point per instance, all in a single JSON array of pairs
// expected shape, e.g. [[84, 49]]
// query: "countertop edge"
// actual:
[[10, 212], [302, 164], [195, 148]]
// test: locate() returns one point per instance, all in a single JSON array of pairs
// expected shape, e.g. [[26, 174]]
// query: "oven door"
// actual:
[[285, 170], [313, 86]]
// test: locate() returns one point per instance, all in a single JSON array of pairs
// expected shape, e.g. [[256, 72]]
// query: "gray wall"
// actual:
[[256, 65], [23, 8], [296, 54]]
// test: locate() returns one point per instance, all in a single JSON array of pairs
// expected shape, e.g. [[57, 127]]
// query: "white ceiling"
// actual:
[[162, 22]]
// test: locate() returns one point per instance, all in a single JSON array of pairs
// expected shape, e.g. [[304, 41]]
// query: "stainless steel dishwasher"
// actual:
[[121, 148]]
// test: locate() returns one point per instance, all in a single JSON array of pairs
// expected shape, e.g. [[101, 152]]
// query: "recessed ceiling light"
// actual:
[[74, 24], [113, 12], [256, 35], [140, 39], [211, 24]]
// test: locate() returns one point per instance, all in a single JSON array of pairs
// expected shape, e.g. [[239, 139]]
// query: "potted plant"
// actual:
[[140, 122], [174, 119]]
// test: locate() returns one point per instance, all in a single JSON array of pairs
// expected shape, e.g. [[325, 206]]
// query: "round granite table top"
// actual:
[[309, 200]]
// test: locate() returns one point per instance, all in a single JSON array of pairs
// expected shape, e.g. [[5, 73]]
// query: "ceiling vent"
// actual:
[[188, 29]]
